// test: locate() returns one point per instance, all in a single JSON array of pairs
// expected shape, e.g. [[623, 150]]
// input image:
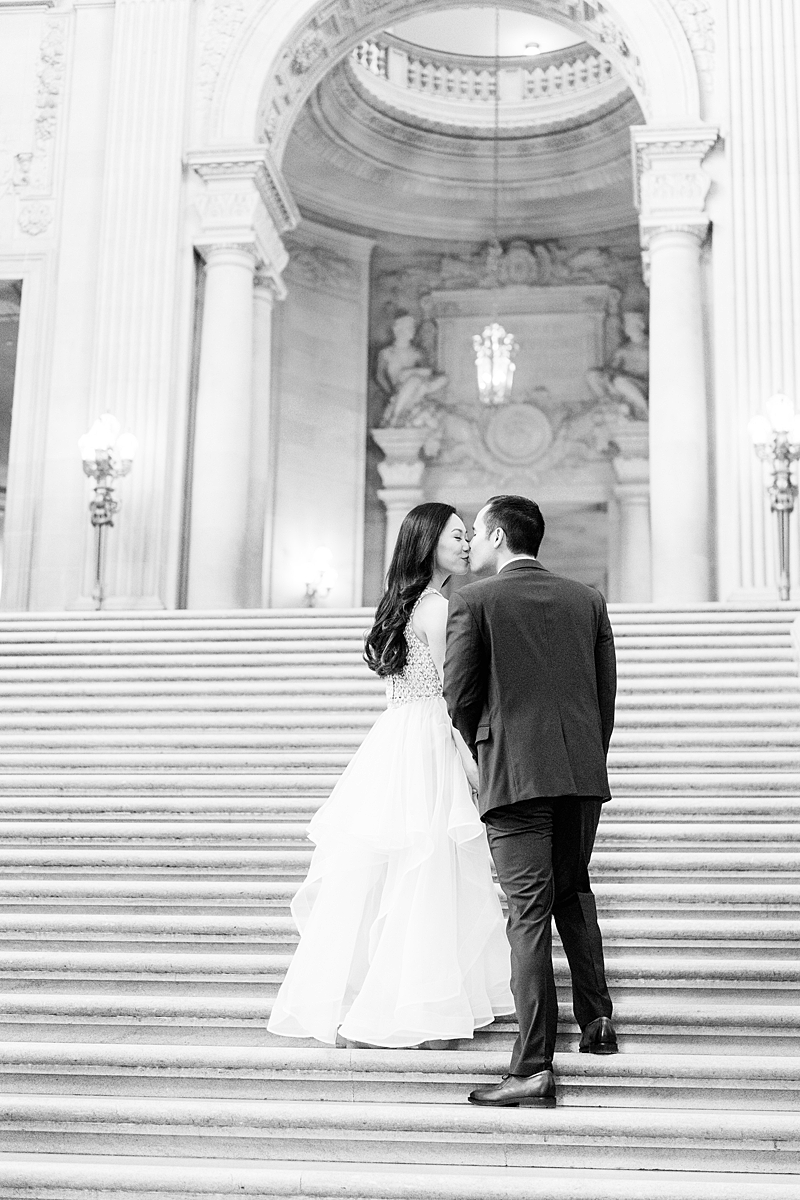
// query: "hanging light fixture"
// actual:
[[494, 348]]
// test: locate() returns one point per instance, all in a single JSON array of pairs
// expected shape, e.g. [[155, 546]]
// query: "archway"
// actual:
[[258, 79]]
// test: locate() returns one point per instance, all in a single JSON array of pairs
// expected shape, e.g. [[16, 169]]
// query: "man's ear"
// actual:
[[497, 535]]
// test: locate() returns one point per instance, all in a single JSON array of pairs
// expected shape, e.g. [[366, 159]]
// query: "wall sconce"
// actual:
[[776, 438], [107, 454], [320, 576]]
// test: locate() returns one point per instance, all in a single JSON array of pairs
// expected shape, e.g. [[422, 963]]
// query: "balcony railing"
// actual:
[[564, 73]]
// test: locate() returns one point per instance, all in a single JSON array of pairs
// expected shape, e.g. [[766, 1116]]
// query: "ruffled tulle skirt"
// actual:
[[401, 930]]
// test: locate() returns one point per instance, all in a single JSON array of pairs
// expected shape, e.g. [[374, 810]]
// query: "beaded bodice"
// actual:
[[419, 679]]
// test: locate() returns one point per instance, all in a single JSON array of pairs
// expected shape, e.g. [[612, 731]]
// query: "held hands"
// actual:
[[472, 774]]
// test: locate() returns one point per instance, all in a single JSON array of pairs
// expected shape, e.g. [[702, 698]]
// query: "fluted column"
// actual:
[[671, 193], [137, 363], [757, 301], [243, 210]]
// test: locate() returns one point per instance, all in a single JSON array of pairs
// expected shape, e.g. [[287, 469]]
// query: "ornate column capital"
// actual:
[[669, 184], [245, 202]]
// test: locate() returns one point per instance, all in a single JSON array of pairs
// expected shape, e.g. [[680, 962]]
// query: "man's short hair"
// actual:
[[521, 521]]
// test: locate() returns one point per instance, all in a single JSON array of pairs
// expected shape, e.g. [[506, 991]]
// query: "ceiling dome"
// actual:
[[471, 31]]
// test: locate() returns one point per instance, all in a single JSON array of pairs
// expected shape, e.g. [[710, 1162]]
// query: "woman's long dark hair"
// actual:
[[410, 572]]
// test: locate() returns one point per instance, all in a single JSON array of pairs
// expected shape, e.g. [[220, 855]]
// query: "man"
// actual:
[[530, 682]]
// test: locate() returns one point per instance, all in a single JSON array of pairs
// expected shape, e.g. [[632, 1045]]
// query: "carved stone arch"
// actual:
[[271, 59]]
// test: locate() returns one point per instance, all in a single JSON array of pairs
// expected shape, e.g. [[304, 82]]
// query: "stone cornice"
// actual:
[[249, 164], [678, 149]]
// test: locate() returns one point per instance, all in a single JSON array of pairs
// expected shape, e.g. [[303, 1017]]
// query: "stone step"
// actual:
[[626, 866], [198, 897], [213, 740], [720, 937], [678, 763], [631, 722], [692, 809], [666, 1082], [612, 834], [64, 1177], [120, 657], [676, 1024], [763, 979], [452, 1134]]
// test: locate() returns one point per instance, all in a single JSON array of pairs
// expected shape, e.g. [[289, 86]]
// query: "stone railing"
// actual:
[[561, 74]]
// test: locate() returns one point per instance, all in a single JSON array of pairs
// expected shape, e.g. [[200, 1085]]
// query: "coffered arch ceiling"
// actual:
[[358, 162]]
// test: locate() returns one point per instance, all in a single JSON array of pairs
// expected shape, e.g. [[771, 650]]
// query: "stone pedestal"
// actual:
[[401, 473], [671, 194], [632, 493]]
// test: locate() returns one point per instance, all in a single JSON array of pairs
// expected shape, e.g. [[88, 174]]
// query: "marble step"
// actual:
[[692, 809], [452, 1134], [139, 718], [715, 1023], [612, 834], [666, 975], [311, 763], [64, 1177], [607, 866], [97, 897], [270, 932], [347, 656], [291, 1073], [213, 739]]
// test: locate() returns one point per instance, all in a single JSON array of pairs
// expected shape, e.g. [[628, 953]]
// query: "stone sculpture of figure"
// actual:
[[401, 371], [625, 379]]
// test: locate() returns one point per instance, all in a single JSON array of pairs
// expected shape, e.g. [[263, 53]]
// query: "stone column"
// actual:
[[401, 473], [755, 208], [671, 194], [139, 342], [632, 493], [243, 209]]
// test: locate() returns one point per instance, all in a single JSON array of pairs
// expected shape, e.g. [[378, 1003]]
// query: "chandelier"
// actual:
[[494, 348], [494, 362]]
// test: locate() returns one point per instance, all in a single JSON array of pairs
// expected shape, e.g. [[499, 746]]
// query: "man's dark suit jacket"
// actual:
[[530, 682]]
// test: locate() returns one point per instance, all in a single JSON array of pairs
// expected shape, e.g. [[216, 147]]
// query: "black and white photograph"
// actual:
[[399, 600]]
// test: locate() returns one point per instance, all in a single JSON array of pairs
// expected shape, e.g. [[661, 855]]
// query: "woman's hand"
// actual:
[[472, 774]]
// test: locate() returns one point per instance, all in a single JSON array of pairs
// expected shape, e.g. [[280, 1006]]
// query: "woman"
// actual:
[[402, 938]]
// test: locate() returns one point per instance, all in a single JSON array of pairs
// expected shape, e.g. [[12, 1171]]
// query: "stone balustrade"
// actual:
[[563, 73]]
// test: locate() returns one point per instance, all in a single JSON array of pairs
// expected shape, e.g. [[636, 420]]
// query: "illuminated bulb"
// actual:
[[760, 430]]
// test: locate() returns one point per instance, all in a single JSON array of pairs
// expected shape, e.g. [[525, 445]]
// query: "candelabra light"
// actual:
[[107, 454], [776, 438], [320, 576], [494, 348]]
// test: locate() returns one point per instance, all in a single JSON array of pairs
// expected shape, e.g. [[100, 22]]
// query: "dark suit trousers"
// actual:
[[541, 851]]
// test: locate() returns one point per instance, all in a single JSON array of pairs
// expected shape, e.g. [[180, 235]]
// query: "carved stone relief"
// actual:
[[697, 19], [224, 18], [322, 268], [30, 173], [540, 431]]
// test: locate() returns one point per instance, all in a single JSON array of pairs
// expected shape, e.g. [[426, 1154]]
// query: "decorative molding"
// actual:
[[32, 173], [323, 269], [254, 164], [697, 19], [35, 217], [246, 204], [675, 150], [332, 30], [223, 21]]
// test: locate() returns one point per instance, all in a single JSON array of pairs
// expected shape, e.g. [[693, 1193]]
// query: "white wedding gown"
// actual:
[[401, 932]]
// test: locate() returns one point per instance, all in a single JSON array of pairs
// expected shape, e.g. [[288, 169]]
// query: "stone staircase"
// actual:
[[160, 770]]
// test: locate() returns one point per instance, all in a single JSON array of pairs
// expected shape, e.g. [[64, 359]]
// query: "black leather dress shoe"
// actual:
[[518, 1091], [599, 1037]]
